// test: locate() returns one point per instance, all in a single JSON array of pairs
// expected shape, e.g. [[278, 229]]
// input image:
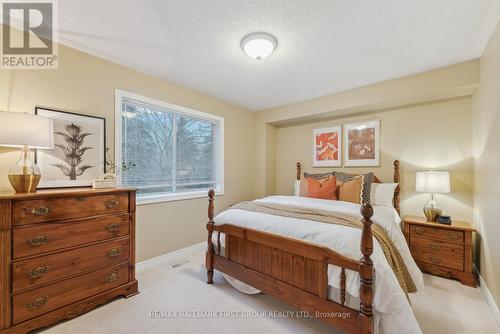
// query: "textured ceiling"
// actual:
[[323, 46]]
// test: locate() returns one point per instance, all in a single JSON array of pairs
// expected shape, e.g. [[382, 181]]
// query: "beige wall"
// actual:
[[430, 136], [486, 127], [426, 123], [86, 84], [450, 82]]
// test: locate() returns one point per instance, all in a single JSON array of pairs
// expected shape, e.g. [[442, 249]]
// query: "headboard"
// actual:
[[396, 178]]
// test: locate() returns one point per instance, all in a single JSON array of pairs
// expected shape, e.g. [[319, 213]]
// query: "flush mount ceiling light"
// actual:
[[259, 45]]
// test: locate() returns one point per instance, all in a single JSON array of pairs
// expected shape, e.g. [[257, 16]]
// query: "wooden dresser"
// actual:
[[63, 253], [443, 250]]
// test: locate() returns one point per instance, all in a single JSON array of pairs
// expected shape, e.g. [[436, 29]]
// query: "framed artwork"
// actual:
[[79, 152], [327, 147], [362, 143]]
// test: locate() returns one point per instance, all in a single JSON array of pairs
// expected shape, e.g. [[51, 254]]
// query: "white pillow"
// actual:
[[381, 194], [296, 188]]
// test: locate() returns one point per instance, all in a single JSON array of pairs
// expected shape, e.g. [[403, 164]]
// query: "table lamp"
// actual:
[[432, 183], [25, 131]]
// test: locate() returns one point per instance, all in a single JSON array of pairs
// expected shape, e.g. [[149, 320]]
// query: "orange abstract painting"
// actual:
[[327, 147]]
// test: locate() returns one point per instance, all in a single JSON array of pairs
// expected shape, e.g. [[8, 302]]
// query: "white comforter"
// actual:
[[392, 311]]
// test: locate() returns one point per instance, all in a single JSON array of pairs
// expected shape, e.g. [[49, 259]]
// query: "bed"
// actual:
[[313, 266]]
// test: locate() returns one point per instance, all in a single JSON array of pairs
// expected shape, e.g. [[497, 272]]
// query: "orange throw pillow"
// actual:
[[351, 190], [324, 189]]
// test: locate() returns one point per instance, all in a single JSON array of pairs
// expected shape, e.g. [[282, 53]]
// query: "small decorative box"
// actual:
[[105, 181], [444, 220]]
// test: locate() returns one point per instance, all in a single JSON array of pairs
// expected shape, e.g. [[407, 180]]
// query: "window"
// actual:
[[166, 151]]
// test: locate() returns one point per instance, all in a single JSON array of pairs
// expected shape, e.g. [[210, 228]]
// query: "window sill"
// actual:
[[160, 198]]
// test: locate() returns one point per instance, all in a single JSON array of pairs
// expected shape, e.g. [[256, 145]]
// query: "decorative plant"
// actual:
[[74, 137], [110, 164]]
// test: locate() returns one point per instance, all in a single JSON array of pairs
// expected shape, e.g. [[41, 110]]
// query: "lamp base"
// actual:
[[432, 214], [25, 175], [24, 183], [432, 209]]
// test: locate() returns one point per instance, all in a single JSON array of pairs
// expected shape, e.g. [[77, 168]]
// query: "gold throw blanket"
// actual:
[[391, 252]]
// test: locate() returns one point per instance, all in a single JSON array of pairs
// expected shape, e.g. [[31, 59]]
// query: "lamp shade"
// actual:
[[433, 182], [19, 129]]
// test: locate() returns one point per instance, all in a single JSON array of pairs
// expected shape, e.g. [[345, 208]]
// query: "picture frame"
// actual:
[[362, 144], [79, 153], [327, 147]]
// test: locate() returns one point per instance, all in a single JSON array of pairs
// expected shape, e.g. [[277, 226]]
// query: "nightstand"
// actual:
[[443, 250]]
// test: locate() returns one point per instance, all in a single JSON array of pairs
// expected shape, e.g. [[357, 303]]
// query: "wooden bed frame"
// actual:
[[295, 271]]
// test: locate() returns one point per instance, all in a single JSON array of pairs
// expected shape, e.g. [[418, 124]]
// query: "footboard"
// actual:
[[294, 271]]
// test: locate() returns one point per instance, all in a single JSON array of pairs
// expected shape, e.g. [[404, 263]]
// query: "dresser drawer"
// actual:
[[41, 238], [445, 254], [34, 303], [50, 209], [45, 269], [436, 233]]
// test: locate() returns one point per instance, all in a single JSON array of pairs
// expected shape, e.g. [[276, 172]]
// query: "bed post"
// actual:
[[299, 170], [397, 190], [209, 261], [366, 272]]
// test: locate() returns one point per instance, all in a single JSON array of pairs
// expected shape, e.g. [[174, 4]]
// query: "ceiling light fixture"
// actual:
[[259, 45]]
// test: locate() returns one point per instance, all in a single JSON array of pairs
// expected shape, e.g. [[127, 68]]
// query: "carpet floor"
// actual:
[[179, 301]]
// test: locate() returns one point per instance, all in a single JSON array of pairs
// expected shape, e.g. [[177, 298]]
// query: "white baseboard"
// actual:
[[491, 302], [168, 258]]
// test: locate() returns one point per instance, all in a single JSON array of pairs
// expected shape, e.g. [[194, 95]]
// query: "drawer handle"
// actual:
[[453, 236], [112, 277], [112, 227], [435, 259], [435, 246], [37, 273], [111, 203], [37, 303], [114, 252], [38, 240], [419, 230], [38, 212]]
